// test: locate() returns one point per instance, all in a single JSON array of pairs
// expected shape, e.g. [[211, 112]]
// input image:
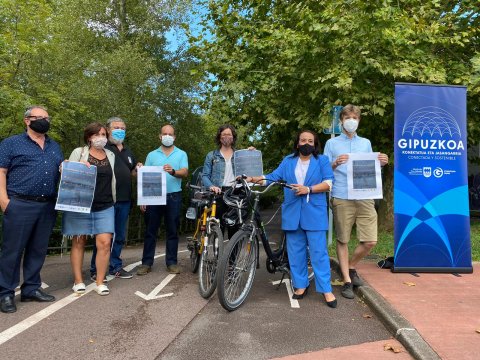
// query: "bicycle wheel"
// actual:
[[236, 270], [194, 257], [207, 276]]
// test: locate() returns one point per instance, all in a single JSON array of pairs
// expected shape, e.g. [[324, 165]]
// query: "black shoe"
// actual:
[[37, 295], [122, 274], [302, 295], [356, 281], [7, 304], [332, 304], [347, 290]]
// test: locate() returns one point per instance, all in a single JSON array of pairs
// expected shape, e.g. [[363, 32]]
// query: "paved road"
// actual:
[[181, 326]]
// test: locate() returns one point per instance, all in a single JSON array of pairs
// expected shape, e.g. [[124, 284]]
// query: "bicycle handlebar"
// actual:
[[203, 190], [242, 180]]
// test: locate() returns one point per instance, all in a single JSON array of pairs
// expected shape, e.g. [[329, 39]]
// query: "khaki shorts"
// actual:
[[346, 213]]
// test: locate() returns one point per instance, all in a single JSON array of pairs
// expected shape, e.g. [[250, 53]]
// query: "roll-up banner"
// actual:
[[431, 211]]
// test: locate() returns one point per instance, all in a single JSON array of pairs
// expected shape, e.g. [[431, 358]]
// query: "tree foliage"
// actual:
[[92, 59], [274, 67], [277, 66]]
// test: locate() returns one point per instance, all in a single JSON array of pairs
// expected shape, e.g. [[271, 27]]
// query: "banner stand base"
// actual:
[[436, 270]]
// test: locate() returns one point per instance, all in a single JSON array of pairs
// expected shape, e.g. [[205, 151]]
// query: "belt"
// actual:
[[35, 198]]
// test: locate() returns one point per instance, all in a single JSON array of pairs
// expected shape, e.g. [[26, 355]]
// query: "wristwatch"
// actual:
[[173, 172]]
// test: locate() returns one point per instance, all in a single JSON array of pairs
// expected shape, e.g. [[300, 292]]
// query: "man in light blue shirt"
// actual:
[[347, 212], [175, 163]]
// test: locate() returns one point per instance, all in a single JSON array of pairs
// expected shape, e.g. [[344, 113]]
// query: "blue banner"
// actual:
[[431, 211]]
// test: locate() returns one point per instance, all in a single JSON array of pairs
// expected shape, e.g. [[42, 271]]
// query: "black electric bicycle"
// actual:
[[240, 259]]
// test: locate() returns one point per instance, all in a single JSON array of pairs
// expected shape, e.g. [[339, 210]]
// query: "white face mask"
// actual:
[[167, 140], [99, 142], [350, 125]]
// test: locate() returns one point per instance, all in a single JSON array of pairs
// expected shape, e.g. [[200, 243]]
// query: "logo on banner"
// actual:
[[431, 120], [438, 172], [428, 122], [427, 171]]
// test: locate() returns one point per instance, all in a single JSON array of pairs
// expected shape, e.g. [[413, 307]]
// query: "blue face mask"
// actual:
[[118, 134]]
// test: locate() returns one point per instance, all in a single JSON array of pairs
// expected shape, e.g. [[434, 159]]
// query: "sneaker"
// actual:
[[347, 291], [173, 269], [122, 274], [143, 270], [108, 278], [356, 281]]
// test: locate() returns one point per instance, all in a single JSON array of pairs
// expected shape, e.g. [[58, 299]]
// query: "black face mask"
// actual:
[[306, 149], [40, 126]]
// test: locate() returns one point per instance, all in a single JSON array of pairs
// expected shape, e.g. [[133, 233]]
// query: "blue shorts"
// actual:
[[98, 222]]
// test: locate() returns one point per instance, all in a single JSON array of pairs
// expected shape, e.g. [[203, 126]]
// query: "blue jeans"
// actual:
[[153, 216], [122, 210]]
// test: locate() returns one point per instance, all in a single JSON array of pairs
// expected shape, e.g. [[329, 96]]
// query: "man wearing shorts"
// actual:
[[347, 212]]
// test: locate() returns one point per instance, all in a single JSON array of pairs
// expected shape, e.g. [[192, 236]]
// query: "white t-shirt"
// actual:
[[229, 177], [301, 170]]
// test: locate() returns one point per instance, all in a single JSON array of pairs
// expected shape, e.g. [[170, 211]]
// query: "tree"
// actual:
[[89, 60], [278, 66]]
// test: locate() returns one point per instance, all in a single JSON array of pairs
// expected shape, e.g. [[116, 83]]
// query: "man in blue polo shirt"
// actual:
[[29, 174], [347, 212], [175, 163]]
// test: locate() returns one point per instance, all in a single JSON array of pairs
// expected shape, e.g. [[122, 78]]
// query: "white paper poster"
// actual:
[[77, 187], [248, 162], [364, 176], [152, 185]]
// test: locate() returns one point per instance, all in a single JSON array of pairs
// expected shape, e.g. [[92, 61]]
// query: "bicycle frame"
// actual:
[[256, 227]]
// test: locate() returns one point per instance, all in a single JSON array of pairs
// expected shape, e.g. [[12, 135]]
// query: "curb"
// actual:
[[395, 323]]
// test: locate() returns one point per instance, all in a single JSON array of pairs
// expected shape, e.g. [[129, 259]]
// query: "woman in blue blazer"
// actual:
[[304, 213]]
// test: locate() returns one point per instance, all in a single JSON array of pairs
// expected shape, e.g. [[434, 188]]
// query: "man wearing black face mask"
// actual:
[[29, 175]]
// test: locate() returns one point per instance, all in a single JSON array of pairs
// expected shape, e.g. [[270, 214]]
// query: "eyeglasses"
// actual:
[[119, 128], [35, 118]]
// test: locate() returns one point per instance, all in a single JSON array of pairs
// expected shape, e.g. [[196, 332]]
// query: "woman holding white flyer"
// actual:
[[100, 221]]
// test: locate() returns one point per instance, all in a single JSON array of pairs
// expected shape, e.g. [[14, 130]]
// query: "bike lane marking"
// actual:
[[153, 294], [293, 303], [53, 308]]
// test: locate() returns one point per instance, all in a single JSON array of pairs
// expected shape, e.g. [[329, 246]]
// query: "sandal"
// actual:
[[78, 288], [102, 290]]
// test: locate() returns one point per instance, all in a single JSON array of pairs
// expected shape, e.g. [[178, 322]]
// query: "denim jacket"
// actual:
[[214, 169]]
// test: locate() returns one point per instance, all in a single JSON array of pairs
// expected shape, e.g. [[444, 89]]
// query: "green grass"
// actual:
[[385, 246]]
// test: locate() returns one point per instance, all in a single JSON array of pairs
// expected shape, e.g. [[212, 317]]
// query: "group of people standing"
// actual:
[[30, 168], [29, 175]]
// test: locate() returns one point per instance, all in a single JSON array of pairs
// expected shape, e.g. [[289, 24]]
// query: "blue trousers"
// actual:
[[122, 210], [153, 216], [27, 226], [298, 242]]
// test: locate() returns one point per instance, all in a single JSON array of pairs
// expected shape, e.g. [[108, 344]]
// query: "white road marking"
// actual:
[[293, 303], [135, 264], [39, 316], [51, 309], [153, 294], [43, 286]]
